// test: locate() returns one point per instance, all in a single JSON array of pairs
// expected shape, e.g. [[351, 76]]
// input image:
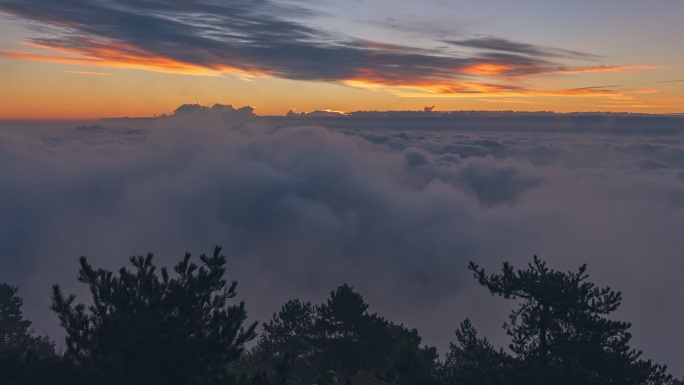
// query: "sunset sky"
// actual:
[[88, 59], [395, 204]]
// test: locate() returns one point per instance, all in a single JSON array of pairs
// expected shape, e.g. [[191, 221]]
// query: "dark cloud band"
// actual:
[[267, 38]]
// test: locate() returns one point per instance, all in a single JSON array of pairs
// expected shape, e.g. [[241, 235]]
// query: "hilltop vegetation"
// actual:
[[149, 326]]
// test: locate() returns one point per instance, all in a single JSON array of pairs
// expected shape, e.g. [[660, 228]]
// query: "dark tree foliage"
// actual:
[[560, 332], [474, 361], [145, 329], [343, 323], [14, 329], [24, 357], [339, 342], [249, 369], [292, 333], [408, 362], [291, 330]]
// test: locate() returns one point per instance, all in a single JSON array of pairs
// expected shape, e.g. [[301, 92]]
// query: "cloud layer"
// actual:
[[395, 211]]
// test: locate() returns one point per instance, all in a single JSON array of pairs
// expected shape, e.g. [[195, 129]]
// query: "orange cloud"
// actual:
[[609, 68], [119, 55], [371, 79], [429, 85], [479, 90], [517, 101], [410, 83], [486, 69], [88, 73]]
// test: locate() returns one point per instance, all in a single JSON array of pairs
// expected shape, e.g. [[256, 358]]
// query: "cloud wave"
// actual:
[[397, 211]]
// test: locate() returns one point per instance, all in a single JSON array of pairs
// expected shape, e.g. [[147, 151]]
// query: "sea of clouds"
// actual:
[[396, 210]]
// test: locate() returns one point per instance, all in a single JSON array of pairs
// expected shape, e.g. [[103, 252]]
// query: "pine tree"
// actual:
[[474, 361], [339, 342], [291, 335], [24, 357], [14, 329], [560, 331], [340, 320], [146, 329]]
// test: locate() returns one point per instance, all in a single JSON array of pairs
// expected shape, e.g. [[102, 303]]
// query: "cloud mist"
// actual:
[[396, 211]]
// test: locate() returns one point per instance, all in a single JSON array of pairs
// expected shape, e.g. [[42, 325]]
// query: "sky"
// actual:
[[78, 59], [394, 204]]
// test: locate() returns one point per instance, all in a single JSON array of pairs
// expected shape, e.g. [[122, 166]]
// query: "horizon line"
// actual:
[[326, 113]]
